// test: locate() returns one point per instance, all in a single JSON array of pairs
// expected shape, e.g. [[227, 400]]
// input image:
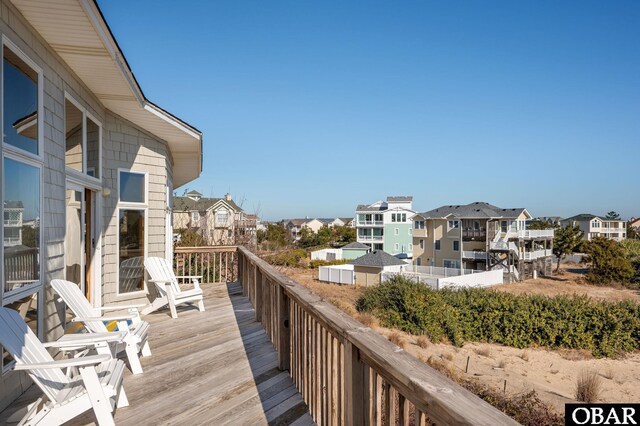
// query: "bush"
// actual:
[[609, 263], [480, 315], [317, 263], [288, 258]]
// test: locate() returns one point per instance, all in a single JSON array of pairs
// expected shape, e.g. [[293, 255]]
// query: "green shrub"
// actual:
[[288, 258], [609, 263], [480, 315], [317, 263]]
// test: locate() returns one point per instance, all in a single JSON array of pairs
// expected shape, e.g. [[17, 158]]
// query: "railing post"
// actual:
[[354, 382], [240, 266], [284, 343], [260, 283], [245, 277]]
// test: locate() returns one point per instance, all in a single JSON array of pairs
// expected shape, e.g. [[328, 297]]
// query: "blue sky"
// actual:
[[309, 108]]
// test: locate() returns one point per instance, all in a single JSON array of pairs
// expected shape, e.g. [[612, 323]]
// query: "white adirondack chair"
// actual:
[[135, 340], [98, 385], [166, 281]]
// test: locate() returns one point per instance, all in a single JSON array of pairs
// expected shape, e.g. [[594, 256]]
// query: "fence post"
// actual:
[[354, 382], [260, 283], [284, 343]]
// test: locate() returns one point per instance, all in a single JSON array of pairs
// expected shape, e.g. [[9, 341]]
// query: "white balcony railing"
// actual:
[[370, 237], [537, 254], [476, 255], [13, 222], [535, 233], [370, 223]]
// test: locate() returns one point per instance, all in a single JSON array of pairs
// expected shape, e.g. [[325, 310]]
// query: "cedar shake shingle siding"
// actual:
[[124, 145]]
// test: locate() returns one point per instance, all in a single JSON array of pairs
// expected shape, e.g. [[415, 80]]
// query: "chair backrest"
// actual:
[[79, 305], [17, 338], [131, 274], [160, 269]]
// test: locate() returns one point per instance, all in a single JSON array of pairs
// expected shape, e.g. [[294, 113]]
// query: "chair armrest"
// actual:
[[195, 280], [118, 307], [106, 318], [65, 363], [86, 339]]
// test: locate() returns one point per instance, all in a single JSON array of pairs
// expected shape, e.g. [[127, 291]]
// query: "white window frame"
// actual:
[[453, 245], [396, 231], [36, 160], [27, 60], [195, 216], [454, 261], [396, 246], [128, 205], [453, 224], [410, 231], [421, 244], [82, 176]]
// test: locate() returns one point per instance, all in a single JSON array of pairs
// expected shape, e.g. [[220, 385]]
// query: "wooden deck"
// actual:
[[215, 367]]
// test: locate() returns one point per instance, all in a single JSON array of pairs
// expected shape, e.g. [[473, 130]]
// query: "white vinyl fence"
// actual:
[[478, 279], [339, 274]]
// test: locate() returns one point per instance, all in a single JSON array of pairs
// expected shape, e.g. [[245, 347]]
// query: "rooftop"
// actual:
[[182, 204], [377, 259], [356, 246], [476, 210]]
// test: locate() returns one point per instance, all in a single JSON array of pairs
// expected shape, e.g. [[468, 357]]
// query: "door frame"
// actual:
[[78, 184]]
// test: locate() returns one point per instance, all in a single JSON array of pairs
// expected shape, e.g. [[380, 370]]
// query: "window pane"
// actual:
[[131, 256], [73, 132], [20, 103], [28, 309], [21, 224], [93, 149], [132, 187]]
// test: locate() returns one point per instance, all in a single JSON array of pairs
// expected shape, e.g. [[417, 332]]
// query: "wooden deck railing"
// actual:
[[347, 373], [215, 264]]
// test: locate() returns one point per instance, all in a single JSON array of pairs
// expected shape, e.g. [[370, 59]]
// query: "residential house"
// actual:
[[13, 222], [220, 221], [88, 165], [634, 223], [355, 250], [386, 225], [594, 226], [368, 269], [481, 236], [348, 221], [348, 252], [294, 226], [331, 222]]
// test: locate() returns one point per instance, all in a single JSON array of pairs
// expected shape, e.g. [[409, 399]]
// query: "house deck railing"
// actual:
[[346, 372], [214, 264]]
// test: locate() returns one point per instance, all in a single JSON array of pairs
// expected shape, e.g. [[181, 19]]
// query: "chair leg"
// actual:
[[201, 305], [146, 349], [134, 361], [122, 399], [100, 403], [172, 307]]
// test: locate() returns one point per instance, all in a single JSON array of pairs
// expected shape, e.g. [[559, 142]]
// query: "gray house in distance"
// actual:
[[88, 168]]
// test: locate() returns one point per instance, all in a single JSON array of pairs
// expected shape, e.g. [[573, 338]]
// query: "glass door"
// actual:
[[74, 236], [79, 241]]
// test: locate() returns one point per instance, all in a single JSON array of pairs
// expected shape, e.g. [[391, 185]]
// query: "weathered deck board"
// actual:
[[213, 367]]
